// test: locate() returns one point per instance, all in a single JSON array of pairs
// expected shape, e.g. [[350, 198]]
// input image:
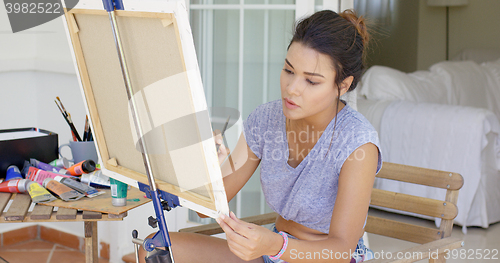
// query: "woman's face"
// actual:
[[308, 87]]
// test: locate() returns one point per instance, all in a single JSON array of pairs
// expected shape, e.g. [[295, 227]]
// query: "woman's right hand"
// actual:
[[223, 151]]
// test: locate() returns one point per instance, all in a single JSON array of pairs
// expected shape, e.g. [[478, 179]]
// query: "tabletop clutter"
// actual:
[[61, 179]]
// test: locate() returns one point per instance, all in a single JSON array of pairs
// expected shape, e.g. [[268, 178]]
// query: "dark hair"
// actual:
[[343, 37]]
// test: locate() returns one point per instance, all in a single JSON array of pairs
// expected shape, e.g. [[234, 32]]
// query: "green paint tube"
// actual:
[[118, 192]]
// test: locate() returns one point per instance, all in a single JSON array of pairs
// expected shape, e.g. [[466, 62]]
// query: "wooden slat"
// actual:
[[120, 13], [414, 204], [66, 213], [4, 199], [79, 218], [212, 229], [91, 215], [91, 242], [400, 230], [122, 215], [422, 251], [73, 24], [41, 212], [85, 79], [440, 259], [423, 176], [447, 225], [166, 22], [19, 208]]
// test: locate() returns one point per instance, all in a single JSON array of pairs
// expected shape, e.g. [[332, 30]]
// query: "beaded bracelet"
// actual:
[[283, 249]]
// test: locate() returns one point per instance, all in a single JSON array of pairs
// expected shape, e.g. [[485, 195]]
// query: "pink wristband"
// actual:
[[283, 249]]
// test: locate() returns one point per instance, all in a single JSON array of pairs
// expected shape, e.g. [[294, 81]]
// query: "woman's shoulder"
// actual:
[[266, 113], [354, 127], [356, 131], [269, 108], [356, 120], [264, 118]]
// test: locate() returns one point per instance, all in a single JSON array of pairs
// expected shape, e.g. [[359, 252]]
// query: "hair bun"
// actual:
[[358, 22]]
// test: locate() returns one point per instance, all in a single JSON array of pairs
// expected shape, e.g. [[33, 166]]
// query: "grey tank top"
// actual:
[[305, 194]]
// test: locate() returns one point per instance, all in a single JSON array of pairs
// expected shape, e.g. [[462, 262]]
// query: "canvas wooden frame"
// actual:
[[160, 52]]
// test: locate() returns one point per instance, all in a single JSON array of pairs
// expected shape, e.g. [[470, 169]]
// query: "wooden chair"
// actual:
[[430, 239]]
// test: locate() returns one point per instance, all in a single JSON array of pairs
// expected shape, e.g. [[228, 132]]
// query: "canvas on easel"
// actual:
[[167, 89]]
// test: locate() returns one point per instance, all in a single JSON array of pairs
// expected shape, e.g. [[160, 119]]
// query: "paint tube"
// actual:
[[96, 179], [47, 167], [118, 192], [38, 175], [64, 192], [87, 190], [14, 186], [38, 193], [61, 163], [13, 173], [82, 167]]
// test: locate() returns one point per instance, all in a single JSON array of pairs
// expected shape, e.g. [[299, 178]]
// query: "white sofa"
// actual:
[[446, 118]]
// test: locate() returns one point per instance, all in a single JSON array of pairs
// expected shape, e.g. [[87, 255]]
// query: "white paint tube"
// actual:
[[96, 179]]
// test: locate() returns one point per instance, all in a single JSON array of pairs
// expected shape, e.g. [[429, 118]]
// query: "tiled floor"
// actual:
[[41, 251]]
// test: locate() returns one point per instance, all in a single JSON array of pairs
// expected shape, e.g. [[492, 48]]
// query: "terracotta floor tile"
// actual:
[[19, 235], [104, 253], [31, 257], [38, 251], [61, 247], [67, 257], [38, 245], [70, 257], [62, 238]]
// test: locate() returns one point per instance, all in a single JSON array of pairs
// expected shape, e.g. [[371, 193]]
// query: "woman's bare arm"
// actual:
[[353, 198], [238, 167]]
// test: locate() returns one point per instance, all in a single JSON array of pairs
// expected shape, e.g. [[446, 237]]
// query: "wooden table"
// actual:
[[88, 210]]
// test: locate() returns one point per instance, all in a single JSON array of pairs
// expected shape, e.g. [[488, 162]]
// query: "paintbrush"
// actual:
[[67, 117], [86, 129], [223, 131]]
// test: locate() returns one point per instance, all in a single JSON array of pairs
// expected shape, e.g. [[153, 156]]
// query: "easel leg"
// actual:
[[91, 242]]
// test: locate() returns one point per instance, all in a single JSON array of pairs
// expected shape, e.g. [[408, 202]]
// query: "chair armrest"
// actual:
[[212, 229], [423, 251]]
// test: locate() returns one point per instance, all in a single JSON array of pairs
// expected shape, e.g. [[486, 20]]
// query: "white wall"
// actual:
[[394, 29], [415, 38], [35, 67], [476, 25], [431, 47]]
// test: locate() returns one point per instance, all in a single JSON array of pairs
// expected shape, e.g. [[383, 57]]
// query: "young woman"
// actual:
[[318, 157]]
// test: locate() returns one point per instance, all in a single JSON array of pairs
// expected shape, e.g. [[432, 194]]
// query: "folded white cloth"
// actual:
[[464, 83], [442, 137]]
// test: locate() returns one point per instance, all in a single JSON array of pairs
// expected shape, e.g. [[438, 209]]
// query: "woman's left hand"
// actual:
[[249, 241]]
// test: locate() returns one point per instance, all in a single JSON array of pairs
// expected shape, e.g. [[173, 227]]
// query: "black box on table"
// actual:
[[18, 145]]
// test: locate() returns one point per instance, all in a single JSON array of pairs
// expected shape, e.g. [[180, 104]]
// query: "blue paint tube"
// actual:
[[13, 173], [47, 167]]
